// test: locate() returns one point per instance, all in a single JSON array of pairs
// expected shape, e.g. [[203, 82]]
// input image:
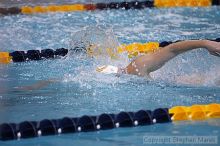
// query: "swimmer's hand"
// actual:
[[107, 69], [37, 85], [213, 47]]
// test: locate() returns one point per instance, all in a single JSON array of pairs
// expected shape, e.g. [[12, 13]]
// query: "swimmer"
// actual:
[[145, 64], [148, 63]]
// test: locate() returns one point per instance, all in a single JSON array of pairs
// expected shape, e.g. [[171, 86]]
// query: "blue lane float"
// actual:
[[125, 5], [29, 129], [22, 56]]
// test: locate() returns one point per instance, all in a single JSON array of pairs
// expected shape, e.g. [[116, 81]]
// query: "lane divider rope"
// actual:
[[29, 129], [104, 6], [132, 50]]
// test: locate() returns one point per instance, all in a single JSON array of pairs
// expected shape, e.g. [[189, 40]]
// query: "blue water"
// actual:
[[82, 91]]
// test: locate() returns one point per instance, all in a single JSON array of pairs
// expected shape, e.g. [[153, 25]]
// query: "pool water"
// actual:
[[83, 91]]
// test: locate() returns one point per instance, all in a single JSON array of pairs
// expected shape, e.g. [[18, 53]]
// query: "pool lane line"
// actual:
[[5, 58], [133, 50], [195, 112], [105, 121], [105, 6]]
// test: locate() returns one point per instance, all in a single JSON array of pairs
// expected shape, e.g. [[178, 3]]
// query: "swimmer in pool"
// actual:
[[148, 63], [145, 64]]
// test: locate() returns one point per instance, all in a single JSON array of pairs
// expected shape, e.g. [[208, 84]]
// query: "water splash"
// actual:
[[191, 69], [100, 40], [99, 36]]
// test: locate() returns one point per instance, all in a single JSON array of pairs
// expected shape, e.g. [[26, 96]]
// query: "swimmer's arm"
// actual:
[[38, 85], [145, 64]]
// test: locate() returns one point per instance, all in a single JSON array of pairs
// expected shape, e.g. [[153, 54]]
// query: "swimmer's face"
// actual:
[[95, 50]]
